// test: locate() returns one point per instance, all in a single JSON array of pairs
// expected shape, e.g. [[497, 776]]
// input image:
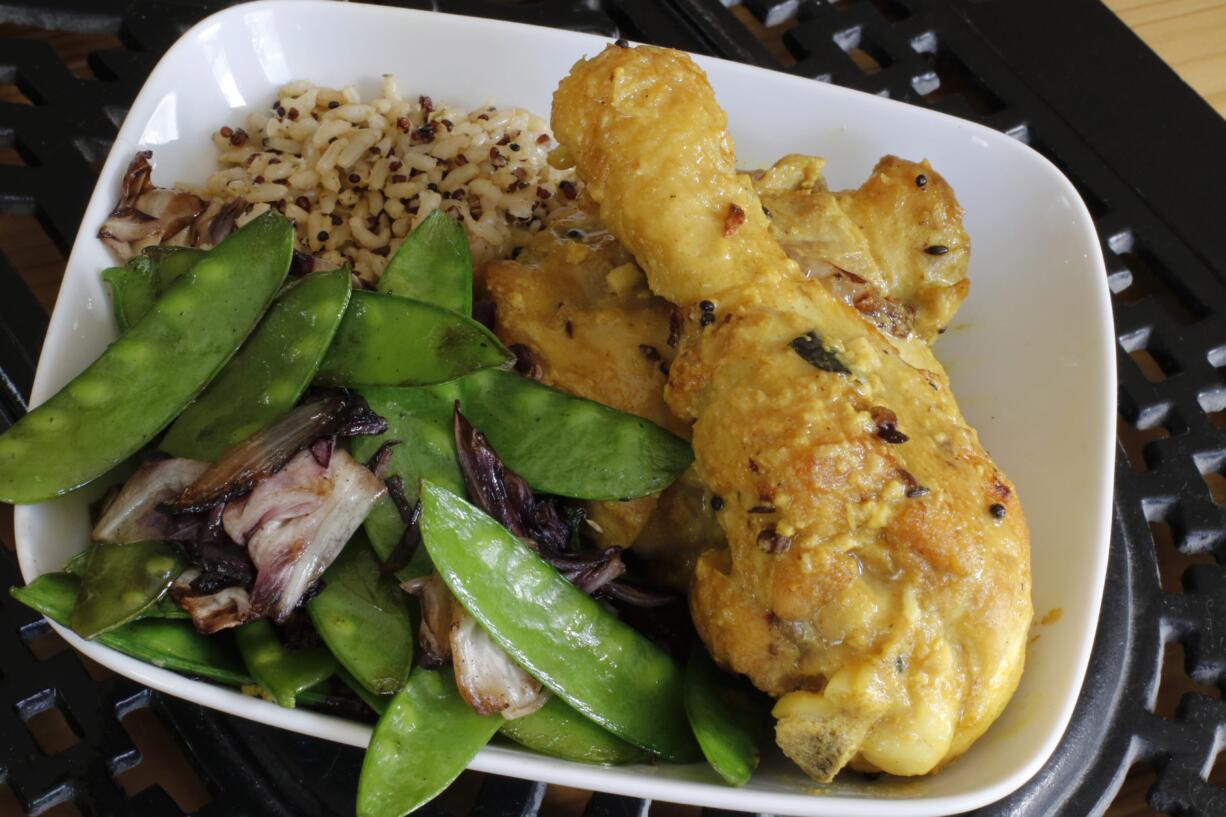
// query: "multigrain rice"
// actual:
[[356, 177]]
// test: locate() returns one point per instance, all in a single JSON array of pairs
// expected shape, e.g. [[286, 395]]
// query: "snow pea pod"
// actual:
[[173, 645], [421, 419], [559, 634], [727, 716], [134, 290], [120, 582], [421, 743], [434, 265], [569, 446], [146, 377], [363, 618], [136, 285], [270, 371], [281, 672], [557, 730], [386, 340]]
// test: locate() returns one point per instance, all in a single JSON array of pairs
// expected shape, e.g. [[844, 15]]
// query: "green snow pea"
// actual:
[[280, 671], [164, 607], [137, 284], [134, 290], [121, 582], [172, 262], [422, 420], [270, 371], [434, 265], [364, 619], [172, 645], [557, 730], [569, 446], [146, 377], [377, 703], [727, 715], [559, 634], [422, 742], [385, 340]]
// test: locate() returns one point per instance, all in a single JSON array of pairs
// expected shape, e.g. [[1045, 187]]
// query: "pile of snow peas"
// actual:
[[215, 346]]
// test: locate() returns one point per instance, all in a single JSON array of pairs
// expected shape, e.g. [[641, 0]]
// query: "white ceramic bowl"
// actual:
[[1030, 353]]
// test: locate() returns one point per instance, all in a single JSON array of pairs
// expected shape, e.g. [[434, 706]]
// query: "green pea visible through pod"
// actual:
[[569, 446], [385, 340], [421, 419], [560, 635], [728, 716], [364, 618], [270, 372], [557, 730], [172, 645], [282, 672], [433, 264], [120, 582], [138, 385], [422, 742]]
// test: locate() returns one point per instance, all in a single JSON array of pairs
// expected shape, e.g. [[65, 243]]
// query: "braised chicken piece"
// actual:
[[894, 249], [877, 575]]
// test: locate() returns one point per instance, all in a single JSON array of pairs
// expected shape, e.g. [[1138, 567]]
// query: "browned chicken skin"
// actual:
[[877, 576]]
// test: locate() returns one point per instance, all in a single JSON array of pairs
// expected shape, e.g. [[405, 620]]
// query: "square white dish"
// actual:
[[1031, 352]]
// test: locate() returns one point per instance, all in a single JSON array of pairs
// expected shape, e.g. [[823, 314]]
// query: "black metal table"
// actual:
[[1064, 76]]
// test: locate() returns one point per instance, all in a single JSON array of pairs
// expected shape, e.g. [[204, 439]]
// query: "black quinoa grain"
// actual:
[[322, 236], [887, 425], [706, 306], [354, 178], [432, 187], [258, 180], [706, 319], [303, 202], [921, 180], [424, 134], [483, 117], [621, 42], [997, 510], [936, 249], [576, 234], [515, 146], [375, 149], [717, 503], [278, 110], [542, 193], [568, 189], [239, 138], [336, 220], [333, 104]]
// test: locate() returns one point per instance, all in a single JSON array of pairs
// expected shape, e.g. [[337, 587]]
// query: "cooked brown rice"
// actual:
[[356, 177]]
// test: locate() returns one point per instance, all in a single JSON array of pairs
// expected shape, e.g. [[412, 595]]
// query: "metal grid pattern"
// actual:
[[1165, 270]]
